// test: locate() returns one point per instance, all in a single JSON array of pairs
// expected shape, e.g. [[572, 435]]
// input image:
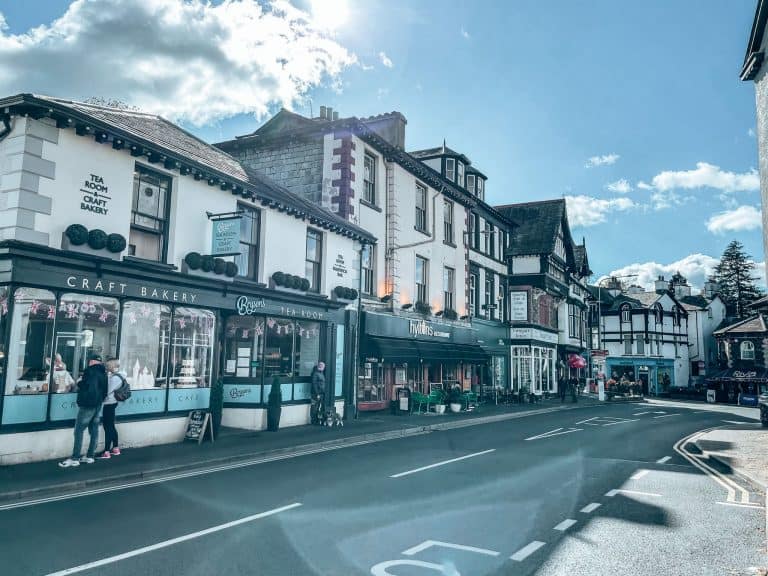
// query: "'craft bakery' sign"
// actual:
[[127, 289]]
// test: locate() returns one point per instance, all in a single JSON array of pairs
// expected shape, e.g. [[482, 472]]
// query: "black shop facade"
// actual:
[[414, 352], [185, 342]]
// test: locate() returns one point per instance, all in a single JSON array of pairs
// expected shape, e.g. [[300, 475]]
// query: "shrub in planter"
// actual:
[[116, 243], [97, 239], [219, 265], [274, 405], [304, 284], [454, 399], [77, 234], [295, 282], [206, 263], [193, 260], [450, 314], [279, 278], [230, 269], [339, 291], [422, 308], [352, 294]]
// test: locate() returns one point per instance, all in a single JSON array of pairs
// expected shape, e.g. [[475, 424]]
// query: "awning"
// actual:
[[741, 375], [402, 350]]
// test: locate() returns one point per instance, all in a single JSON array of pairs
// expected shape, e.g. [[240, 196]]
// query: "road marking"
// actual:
[[555, 432], [565, 524], [742, 505], [589, 508], [612, 493], [702, 411], [443, 463], [430, 543], [737, 422], [730, 486], [658, 412], [641, 413], [664, 460], [588, 420], [665, 415], [526, 551], [639, 475], [172, 541], [623, 421]]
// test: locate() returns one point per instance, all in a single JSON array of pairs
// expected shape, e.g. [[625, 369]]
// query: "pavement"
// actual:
[[43, 479], [601, 490]]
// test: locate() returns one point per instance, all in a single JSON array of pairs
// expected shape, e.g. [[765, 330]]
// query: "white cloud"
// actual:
[[736, 220], [620, 186], [382, 93], [464, 33], [187, 60], [589, 211], [605, 160], [707, 176], [695, 267], [644, 186], [385, 60], [668, 199]]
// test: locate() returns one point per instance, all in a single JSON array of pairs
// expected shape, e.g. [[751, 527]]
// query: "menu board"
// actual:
[[198, 423]]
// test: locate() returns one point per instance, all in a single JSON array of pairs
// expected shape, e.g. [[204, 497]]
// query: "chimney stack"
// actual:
[[335, 115], [390, 126], [661, 285], [322, 112], [328, 112]]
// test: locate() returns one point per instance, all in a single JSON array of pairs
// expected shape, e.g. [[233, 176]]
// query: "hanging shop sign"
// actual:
[[532, 334], [518, 305], [95, 195], [225, 240]]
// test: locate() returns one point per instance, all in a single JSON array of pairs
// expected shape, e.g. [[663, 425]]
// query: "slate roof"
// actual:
[[755, 324], [697, 302], [439, 151], [537, 226], [155, 133], [753, 59]]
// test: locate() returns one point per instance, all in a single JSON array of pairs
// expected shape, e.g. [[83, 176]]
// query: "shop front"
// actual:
[[176, 337], [534, 360], [421, 354], [738, 386], [653, 376], [493, 377]]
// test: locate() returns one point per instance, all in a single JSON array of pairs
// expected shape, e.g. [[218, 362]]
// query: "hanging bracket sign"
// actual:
[[225, 237]]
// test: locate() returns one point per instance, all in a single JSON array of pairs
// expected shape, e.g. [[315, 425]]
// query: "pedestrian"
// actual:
[[574, 386], [317, 392], [91, 391], [561, 386], [115, 380]]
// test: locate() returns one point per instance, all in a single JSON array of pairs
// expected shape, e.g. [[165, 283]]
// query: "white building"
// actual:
[[110, 226], [427, 211], [645, 335]]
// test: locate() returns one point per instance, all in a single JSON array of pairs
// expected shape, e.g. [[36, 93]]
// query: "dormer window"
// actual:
[[460, 174], [450, 169], [626, 313], [480, 188], [747, 350], [659, 314], [471, 183]]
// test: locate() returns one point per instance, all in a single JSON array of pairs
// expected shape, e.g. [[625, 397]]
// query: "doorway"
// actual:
[[643, 376]]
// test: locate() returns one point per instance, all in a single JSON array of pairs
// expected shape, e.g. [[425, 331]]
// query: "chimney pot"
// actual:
[[328, 113], [322, 111], [335, 115]]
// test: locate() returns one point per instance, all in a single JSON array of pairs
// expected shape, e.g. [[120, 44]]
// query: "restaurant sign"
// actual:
[[226, 237], [423, 328], [533, 334]]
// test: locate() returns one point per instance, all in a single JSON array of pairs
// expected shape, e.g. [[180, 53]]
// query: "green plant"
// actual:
[[454, 397], [230, 269], [422, 308], [193, 260], [77, 234], [450, 314], [219, 265], [97, 239], [116, 243], [279, 278], [206, 263]]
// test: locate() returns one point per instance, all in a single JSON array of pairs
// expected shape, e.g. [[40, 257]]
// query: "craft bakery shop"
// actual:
[[178, 337]]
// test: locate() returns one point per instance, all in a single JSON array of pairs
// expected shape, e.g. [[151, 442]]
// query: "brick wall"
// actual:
[[296, 165]]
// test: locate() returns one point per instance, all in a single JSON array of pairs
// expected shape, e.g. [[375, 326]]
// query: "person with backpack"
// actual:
[[116, 385], [91, 391]]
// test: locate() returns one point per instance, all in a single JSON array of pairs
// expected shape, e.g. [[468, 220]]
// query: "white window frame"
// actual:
[[747, 350], [421, 215], [460, 173], [450, 169], [369, 185], [422, 289], [449, 288], [471, 184]]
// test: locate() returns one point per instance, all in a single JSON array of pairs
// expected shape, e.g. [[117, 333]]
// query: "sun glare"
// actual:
[[330, 14]]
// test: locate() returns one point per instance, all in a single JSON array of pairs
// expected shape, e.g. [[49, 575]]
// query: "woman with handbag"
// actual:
[[115, 381]]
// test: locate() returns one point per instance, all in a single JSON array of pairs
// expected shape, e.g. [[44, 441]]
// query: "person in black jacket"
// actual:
[[317, 392], [91, 391]]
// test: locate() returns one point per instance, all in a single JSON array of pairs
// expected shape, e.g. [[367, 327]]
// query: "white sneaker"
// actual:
[[87, 460], [69, 462]]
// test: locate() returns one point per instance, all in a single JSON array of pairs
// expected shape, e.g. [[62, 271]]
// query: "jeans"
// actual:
[[108, 422], [86, 418]]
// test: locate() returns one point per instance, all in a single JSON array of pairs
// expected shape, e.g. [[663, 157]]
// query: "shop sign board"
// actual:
[[225, 240], [518, 305], [533, 334], [424, 328], [198, 422], [95, 195]]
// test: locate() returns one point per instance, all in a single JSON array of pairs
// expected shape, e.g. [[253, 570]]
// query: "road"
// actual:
[[601, 490]]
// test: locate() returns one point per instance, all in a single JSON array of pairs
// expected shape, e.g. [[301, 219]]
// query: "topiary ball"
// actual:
[[77, 234], [206, 263], [116, 243], [305, 284], [295, 282], [97, 239], [352, 294], [193, 260], [219, 265], [230, 269], [339, 291], [279, 278]]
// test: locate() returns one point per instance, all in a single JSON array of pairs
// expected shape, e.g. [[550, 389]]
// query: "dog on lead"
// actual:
[[332, 419]]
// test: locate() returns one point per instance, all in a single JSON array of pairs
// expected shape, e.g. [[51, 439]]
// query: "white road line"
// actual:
[[172, 541], [526, 551], [589, 508], [623, 421], [664, 460], [757, 506], [443, 463], [565, 524], [702, 411], [641, 413], [639, 475], [737, 422], [430, 543], [555, 432], [587, 420], [612, 493], [665, 415], [659, 412]]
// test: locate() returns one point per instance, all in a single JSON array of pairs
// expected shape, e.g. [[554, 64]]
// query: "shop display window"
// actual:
[[144, 341], [306, 356], [243, 368], [191, 348]]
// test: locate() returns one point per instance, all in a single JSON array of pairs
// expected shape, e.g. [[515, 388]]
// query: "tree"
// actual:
[[736, 281]]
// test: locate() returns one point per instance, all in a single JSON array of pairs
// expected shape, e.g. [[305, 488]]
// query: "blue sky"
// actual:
[[529, 90]]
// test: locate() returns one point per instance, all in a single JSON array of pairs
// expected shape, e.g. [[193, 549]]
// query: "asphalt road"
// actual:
[[593, 491]]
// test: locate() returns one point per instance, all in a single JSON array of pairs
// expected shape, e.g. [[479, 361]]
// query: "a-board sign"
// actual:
[[198, 423]]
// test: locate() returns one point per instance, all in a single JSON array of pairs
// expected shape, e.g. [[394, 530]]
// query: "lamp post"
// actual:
[[356, 353]]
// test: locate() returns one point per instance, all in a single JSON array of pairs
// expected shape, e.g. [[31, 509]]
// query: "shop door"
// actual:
[[643, 376]]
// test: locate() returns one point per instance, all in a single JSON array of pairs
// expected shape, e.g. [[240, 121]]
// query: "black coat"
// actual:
[[92, 387], [318, 382]]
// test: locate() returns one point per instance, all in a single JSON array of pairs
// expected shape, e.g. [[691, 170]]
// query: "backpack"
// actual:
[[123, 392], [90, 394]]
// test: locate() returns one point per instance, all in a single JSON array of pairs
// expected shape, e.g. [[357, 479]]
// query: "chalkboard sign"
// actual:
[[198, 423]]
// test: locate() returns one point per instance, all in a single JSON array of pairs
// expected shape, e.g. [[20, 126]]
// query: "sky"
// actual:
[[632, 111]]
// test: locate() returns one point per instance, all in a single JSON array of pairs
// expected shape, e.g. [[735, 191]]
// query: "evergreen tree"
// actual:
[[735, 277]]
